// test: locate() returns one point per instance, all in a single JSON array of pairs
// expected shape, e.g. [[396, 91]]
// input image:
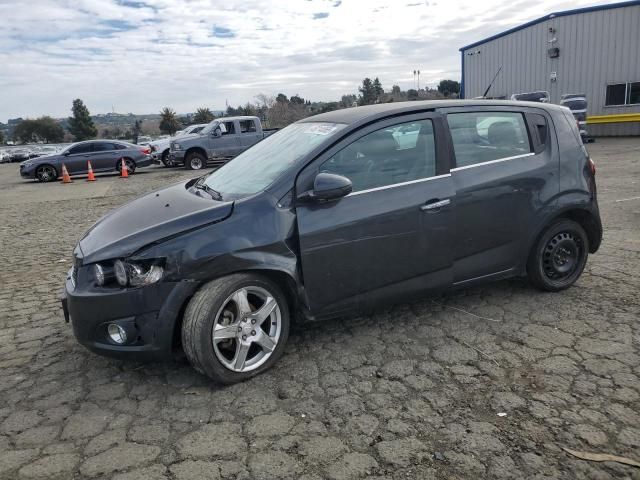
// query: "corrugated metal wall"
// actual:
[[596, 48]]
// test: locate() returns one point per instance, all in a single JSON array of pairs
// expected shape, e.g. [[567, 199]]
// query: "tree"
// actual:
[[168, 121], [43, 129], [367, 92], [137, 128], [297, 100], [412, 94], [395, 90], [449, 87], [377, 87], [1, 137], [203, 115], [282, 98], [80, 125], [347, 101]]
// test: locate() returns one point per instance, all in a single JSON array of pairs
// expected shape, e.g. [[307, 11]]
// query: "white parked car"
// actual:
[[160, 148]]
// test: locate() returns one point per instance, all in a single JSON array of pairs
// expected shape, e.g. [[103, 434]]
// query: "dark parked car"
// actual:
[[338, 212], [105, 156]]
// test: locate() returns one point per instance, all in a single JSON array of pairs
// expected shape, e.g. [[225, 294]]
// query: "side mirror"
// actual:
[[67, 153], [328, 186], [217, 132]]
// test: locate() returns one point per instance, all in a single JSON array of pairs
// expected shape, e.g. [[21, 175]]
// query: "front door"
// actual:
[[390, 236], [76, 161], [227, 145]]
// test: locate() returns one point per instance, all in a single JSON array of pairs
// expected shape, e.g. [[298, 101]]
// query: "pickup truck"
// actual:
[[160, 147], [218, 142]]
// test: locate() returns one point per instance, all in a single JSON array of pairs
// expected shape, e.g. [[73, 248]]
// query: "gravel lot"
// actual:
[[413, 391]]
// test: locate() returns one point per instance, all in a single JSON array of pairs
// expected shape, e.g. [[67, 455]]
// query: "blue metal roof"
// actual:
[[553, 15]]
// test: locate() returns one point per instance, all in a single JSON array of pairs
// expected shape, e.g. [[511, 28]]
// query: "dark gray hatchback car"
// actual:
[[339, 212], [104, 155]]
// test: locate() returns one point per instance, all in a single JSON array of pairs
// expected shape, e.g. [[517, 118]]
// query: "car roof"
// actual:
[[370, 112]]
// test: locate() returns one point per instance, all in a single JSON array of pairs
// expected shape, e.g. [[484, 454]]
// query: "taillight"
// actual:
[[146, 151], [592, 166]]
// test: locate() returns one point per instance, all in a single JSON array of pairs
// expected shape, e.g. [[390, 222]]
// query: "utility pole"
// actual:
[[418, 80], [414, 79]]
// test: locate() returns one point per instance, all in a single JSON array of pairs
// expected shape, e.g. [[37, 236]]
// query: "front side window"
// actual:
[[230, 128], [82, 148], [391, 155], [480, 137], [247, 126]]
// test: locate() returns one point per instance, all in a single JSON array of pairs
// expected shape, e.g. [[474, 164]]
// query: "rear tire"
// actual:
[[195, 161], [559, 256], [131, 165], [241, 314], [166, 161]]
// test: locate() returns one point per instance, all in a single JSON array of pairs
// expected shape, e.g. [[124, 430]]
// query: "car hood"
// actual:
[[40, 158], [149, 219], [185, 137]]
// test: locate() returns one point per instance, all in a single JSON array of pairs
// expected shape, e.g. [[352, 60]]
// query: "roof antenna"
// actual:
[[484, 95]]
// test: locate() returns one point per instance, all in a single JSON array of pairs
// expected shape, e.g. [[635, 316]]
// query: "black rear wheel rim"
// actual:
[[562, 255]]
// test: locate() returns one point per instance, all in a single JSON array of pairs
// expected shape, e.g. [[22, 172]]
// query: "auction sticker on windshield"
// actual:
[[322, 128]]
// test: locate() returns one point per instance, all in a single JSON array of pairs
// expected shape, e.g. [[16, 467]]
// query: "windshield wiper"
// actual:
[[216, 195]]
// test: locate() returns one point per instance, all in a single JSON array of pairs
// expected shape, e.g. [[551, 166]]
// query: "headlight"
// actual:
[[136, 274], [177, 146], [26, 164], [103, 274]]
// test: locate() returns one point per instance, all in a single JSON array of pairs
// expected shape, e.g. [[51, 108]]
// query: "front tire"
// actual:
[[46, 173], [236, 327], [559, 256], [195, 161]]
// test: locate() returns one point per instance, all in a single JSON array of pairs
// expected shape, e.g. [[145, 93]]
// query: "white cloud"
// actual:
[[141, 55]]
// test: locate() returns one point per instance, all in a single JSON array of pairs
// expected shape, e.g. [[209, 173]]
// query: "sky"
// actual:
[[140, 56]]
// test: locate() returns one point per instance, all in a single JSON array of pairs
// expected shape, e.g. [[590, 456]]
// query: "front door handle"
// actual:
[[435, 205]]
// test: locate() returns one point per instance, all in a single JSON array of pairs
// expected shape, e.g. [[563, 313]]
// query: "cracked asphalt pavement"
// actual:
[[487, 382]]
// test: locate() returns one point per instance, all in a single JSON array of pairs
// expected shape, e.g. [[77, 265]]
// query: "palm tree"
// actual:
[[168, 121], [203, 115]]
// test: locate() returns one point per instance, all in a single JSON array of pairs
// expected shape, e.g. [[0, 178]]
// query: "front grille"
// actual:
[[77, 263]]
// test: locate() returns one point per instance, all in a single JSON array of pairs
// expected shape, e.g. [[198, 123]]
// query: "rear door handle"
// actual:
[[435, 205]]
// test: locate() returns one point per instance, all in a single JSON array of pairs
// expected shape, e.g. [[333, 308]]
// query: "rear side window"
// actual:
[[480, 137], [247, 126], [102, 147]]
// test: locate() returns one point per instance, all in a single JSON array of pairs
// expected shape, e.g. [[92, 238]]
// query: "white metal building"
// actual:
[[594, 50]]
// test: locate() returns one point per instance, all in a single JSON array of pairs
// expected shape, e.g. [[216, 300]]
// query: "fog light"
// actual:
[[117, 333]]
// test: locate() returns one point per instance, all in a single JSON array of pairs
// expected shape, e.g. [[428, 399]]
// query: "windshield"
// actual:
[[256, 168], [209, 128]]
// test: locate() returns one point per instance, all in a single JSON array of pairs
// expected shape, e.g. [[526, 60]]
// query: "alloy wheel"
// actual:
[[247, 329], [46, 173]]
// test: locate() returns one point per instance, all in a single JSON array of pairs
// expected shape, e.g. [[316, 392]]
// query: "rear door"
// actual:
[[389, 236], [76, 161], [505, 174], [104, 156]]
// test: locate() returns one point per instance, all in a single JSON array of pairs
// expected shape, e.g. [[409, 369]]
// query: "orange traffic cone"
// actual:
[[124, 171], [90, 177], [66, 178]]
